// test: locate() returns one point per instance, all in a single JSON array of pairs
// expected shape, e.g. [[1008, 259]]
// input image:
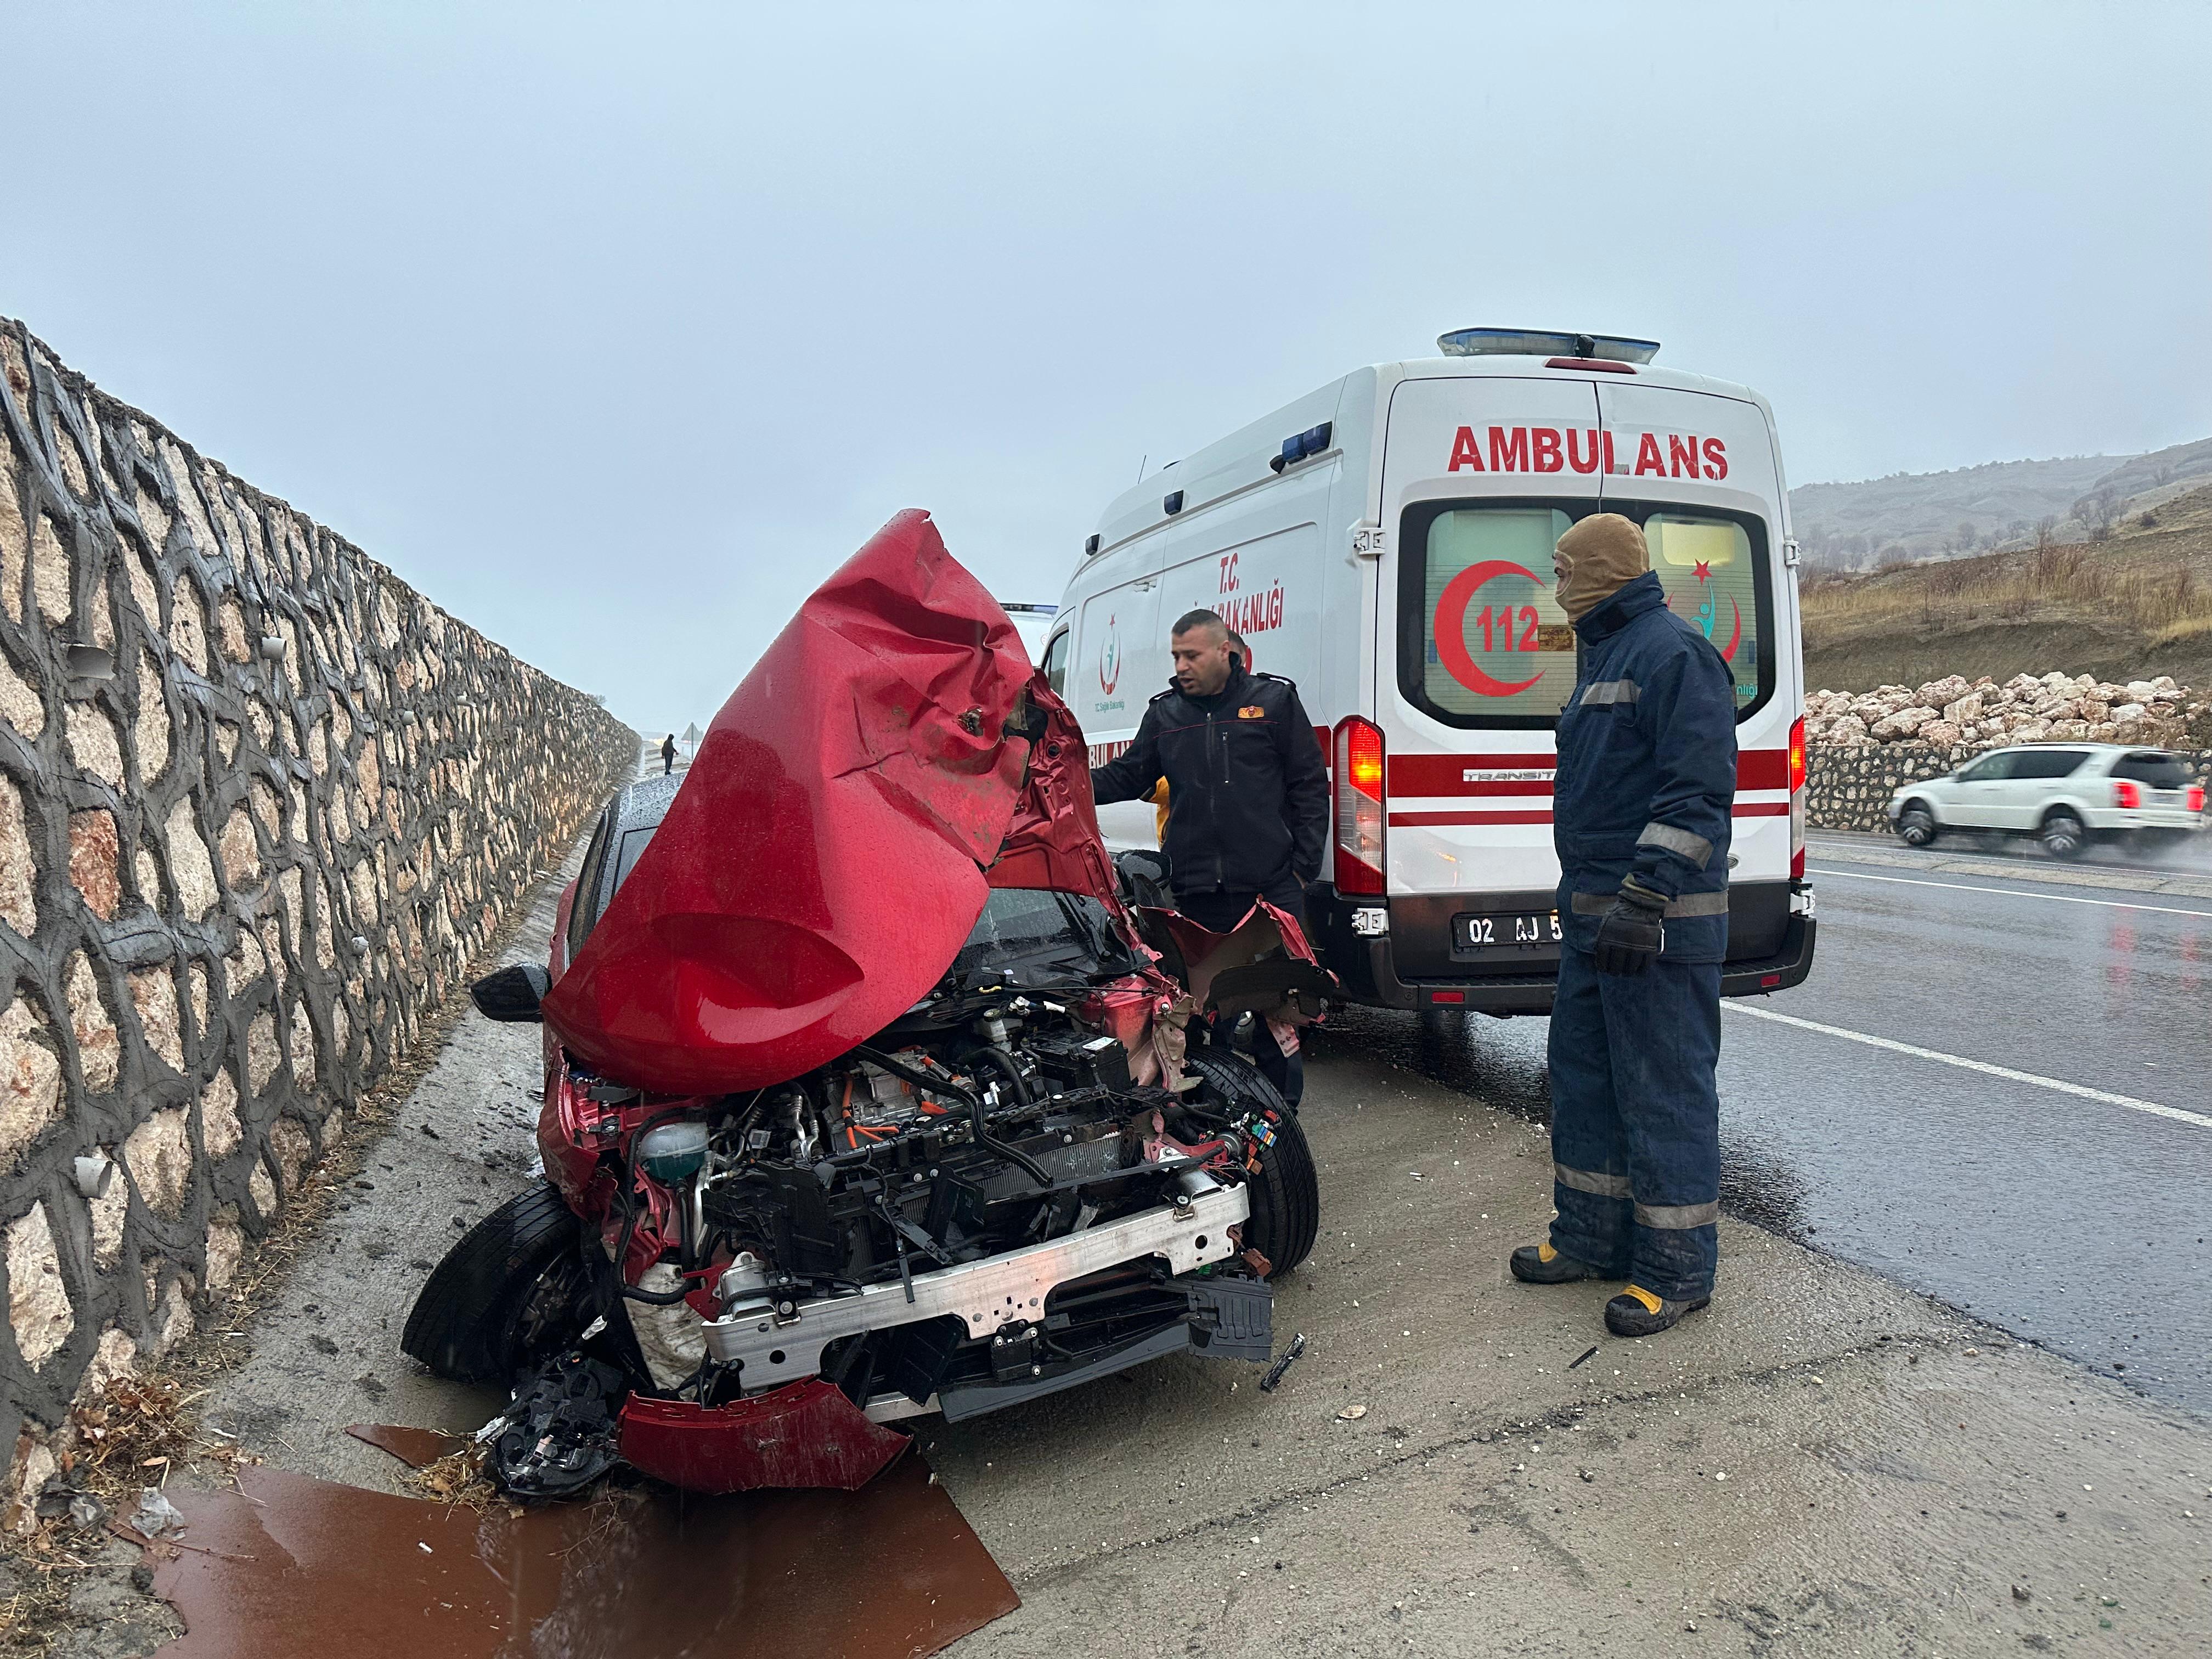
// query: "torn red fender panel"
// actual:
[[1146, 1013], [1263, 965], [1054, 840], [804, 1434], [824, 859]]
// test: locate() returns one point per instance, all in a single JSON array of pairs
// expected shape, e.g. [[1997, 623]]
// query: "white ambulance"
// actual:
[[1386, 542]]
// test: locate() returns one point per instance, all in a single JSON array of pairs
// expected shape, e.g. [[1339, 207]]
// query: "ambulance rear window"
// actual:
[[1483, 643]]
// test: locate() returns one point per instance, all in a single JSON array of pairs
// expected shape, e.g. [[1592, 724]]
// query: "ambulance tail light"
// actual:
[[1358, 764], [1797, 798]]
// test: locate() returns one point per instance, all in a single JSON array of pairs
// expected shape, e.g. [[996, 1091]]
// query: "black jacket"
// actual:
[[1247, 791]]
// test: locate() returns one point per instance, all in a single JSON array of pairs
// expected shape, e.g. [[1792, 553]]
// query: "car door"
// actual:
[[2035, 783], [1976, 798]]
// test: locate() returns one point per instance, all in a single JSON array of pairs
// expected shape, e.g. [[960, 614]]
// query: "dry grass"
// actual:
[[2189, 627], [2161, 604], [458, 1478]]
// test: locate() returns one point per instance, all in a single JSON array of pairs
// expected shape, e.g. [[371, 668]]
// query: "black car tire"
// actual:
[[2063, 834], [1285, 1193], [1916, 825], [512, 1291]]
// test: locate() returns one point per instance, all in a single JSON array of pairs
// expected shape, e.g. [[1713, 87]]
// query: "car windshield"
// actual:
[[1021, 924], [2153, 767]]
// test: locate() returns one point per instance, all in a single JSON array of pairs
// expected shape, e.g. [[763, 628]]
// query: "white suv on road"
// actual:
[[2064, 794]]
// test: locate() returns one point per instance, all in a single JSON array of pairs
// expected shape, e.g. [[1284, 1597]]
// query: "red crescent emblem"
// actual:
[[1451, 628], [1736, 638]]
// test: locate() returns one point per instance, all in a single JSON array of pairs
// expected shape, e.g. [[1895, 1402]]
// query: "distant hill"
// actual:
[[1921, 516], [2162, 475], [2132, 606], [1917, 515]]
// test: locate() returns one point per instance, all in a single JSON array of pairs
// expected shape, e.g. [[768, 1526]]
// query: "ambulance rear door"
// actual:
[[1697, 470], [1473, 658]]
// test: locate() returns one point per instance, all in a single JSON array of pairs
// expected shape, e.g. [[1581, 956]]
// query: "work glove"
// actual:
[[1629, 934]]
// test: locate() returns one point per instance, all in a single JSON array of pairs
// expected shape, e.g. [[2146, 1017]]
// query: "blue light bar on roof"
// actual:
[[1543, 343]]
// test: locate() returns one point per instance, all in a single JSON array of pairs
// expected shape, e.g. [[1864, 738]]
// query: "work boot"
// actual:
[[1637, 1312], [1539, 1264]]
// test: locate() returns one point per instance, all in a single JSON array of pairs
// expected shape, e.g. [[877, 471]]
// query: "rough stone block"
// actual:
[[39, 1310], [50, 573], [159, 1155], [99, 1050], [30, 1077], [19, 869], [242, 853], [20, 704], [95, 862], [92, 743]]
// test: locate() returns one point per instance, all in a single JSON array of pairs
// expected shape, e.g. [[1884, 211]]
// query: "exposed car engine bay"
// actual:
[[870, 1089], [979, 1208]]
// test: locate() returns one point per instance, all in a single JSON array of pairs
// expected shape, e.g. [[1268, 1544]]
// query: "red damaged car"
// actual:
[[866, 1094]]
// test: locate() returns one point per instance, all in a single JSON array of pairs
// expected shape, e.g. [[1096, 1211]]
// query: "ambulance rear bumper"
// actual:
[[1378, 970]]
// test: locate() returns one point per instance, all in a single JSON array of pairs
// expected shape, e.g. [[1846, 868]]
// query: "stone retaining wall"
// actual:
[[1848, 786], [261, 802]]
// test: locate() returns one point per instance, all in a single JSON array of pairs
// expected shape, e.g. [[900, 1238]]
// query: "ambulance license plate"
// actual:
[[1507, 931]]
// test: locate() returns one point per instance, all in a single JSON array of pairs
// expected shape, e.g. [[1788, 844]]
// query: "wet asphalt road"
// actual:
[[2080, 1224]]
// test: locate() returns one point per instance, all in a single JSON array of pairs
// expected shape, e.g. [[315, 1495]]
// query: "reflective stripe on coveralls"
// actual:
[[1678, 1216], [1590, 1181], [1603, 692], [1694, 847]]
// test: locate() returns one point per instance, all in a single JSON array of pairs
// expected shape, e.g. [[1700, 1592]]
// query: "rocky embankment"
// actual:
[[1956, 712]]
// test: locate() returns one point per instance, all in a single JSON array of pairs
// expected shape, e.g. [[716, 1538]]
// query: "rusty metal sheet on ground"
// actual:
[[287, 1564]]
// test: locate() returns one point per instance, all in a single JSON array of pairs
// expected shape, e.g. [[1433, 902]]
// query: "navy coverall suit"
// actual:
[[1646, 786]]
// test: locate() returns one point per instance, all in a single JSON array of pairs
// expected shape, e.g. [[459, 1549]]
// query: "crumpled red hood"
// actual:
[[824, 859]]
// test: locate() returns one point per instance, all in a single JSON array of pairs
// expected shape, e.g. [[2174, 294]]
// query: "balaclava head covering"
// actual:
[[1602, 553]]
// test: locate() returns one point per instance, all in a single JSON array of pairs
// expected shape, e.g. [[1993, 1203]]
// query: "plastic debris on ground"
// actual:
[[157, 1515], [1275, 1371]]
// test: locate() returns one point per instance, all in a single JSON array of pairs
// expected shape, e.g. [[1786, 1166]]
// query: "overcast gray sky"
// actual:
[[613, 328]]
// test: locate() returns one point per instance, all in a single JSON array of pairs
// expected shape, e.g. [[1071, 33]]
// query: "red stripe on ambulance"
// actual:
[[1494, 775]]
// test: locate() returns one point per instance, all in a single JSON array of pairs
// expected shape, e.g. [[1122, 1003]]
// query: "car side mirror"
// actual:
[[512, 995]]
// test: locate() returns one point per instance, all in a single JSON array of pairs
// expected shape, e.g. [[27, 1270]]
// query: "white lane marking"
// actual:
[[2014, 892], [1982, 1066]]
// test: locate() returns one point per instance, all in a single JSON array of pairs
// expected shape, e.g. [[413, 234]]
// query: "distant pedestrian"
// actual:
[[668, 754], [1247, 814]]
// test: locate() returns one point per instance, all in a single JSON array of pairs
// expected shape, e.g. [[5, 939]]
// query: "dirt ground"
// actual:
[[1820, 1463]]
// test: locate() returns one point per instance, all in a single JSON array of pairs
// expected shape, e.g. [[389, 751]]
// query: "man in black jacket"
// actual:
[[1248, 792]]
